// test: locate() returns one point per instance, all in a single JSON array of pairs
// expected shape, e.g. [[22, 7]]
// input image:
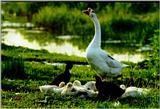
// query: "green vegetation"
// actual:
[[24, 70], [37, 55], [30, 100], [41, 74], [12, 67], [72, 21], [133, 22]]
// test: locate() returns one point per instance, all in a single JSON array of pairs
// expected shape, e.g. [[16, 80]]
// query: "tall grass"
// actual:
[[131, 21], [117, 23], [61, 20], [13, 68]]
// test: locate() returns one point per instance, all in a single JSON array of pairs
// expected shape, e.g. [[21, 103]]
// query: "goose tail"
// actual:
[[124, 65]]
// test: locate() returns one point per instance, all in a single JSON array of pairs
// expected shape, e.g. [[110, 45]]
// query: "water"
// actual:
[[16, 25], [13, 37]]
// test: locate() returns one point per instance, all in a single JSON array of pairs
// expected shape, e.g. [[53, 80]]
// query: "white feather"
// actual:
[[91, 85], [53, 88], [134, 92], [99, 59]]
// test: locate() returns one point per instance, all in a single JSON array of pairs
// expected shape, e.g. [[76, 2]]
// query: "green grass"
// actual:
[[41, 74], [38, 55], [38, 73], [23, 100]]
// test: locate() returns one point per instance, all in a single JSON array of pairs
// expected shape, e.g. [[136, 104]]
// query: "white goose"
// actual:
[[99, 60]]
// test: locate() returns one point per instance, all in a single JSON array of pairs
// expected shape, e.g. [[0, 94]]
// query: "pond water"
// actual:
[[63, 44], [15, 38]]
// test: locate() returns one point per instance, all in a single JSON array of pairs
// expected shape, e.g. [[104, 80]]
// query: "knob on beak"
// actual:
[[87, 11]]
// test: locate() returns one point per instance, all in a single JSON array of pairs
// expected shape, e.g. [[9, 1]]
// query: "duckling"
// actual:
[[62, 84], [133, 91], [108, 90], [88, 86], [65, 77], [80, 88], [92, 93], [77, 83], [69, 90], [91, 85], [47, 88], [76, 89], [52, 88], [87, 90]]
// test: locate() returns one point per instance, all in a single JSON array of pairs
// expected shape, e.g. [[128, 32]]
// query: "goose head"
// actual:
[[91, 13]]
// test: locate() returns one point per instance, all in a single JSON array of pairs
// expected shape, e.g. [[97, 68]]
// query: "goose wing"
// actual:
[[110, 60]]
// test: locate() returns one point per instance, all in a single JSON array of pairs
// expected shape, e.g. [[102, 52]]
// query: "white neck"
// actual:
[[96, 41]]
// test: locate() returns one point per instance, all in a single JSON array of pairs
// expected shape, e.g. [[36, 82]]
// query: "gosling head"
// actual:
[[122, 86], [91, 85], [77, 83], [69, 85], [62, 84], [69, 90]]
